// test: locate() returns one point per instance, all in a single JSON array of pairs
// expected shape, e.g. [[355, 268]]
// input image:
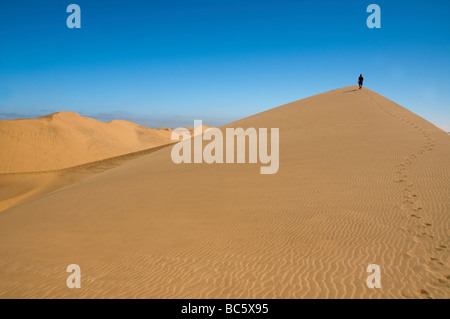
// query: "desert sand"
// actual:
[[361, 181], [65, 139]]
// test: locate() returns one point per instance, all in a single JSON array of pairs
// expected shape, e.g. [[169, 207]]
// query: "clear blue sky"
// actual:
[[164, 63]]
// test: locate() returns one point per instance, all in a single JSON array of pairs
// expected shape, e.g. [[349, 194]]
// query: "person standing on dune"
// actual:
[[360, 81]]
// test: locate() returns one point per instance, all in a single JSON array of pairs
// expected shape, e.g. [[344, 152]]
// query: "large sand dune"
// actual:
[[65, 139], [361, 181]]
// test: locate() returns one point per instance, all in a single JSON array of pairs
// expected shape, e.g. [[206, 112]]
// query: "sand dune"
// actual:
[[66, 139], [17, 188], [361, 181]]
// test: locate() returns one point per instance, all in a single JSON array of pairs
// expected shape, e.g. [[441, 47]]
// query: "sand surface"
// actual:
[[361, 181]]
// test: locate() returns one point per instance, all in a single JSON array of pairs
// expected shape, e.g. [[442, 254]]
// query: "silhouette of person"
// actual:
[[360, 81]]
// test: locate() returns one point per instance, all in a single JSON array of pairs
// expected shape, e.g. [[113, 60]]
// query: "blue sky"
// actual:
[[166, 63]]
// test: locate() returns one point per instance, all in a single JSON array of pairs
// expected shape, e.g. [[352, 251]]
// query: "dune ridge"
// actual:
[[20, 187], [361, 181]]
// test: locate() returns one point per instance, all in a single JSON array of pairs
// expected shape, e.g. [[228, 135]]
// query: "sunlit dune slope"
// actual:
[[66, 139], [361, 181]]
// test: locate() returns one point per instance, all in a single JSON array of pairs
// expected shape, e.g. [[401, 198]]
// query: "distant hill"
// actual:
[[65, 139]]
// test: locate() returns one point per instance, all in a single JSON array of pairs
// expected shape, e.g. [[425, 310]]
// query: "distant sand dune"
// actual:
[[361, 181], [66, 139]]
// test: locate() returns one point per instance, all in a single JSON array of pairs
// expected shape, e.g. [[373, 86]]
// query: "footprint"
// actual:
[[425, 293], [415, 216], [427, 224]]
